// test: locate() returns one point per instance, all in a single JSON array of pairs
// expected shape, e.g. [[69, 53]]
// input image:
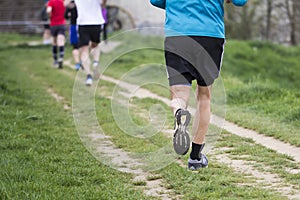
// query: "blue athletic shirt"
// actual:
[[194, 17]]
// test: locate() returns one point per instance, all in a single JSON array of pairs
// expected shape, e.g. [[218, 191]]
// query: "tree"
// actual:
[[242, 23], [290, 6], [268, 18]]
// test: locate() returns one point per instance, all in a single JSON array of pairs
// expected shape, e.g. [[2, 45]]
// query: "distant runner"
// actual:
[[56, 11], [90, 20]]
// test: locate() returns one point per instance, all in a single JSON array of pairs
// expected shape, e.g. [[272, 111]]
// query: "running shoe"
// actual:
[[198, 164], [89, 80], [77, 66], [55, 64], [95, 63], [181, 139], [60, 63]]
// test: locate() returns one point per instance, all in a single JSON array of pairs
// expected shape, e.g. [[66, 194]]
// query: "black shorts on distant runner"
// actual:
[[191, 58], [46, 26], [89, 33], [58, 30]]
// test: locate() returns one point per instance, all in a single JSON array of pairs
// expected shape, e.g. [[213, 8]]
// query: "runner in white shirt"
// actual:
[[89, 22]]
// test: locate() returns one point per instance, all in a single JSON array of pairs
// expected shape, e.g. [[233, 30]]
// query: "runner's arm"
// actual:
[[49, 9], [67, 13], [159, 3], [67, 2]]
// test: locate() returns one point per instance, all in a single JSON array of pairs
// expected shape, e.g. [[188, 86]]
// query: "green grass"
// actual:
[[264, 61], [11, 39], [262, 87], [42, 156], [215, 182]]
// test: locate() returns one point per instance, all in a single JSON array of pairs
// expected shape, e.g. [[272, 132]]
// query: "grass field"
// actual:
[[42, 156]]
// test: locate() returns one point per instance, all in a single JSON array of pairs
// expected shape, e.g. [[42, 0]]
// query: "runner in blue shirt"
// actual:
[[194, 46]]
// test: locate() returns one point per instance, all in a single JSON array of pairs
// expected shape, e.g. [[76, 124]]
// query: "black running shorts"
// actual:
[[89, 33], [191, 58], [58, 30], [46, 26]]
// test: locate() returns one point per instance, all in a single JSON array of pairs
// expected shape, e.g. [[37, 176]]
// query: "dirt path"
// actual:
[[123, 162], [263, 179], [269, 142], [119, 159]]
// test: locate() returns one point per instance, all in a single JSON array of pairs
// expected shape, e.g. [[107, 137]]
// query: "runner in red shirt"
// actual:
[[56, 11], [57, 16]]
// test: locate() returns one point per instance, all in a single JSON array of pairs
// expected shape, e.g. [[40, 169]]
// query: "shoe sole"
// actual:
[[181, 138], [181, 142]]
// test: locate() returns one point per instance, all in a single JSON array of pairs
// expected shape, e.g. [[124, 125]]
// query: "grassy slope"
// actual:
[[42, 156], [262, 85]]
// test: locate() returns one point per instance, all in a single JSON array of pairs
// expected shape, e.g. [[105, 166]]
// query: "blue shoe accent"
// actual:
[[77, 66], [55, 64], [198, 164]]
